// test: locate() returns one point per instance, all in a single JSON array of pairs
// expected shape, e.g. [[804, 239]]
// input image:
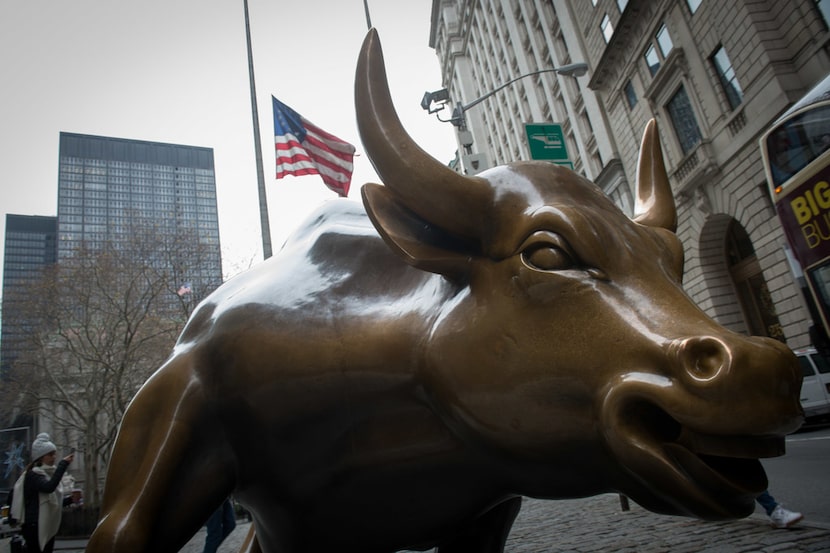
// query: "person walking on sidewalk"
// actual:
[[38, 497], [779, 516], [220, 524]]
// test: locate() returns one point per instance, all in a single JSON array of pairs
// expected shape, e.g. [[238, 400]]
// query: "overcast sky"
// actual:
[[176, 71]]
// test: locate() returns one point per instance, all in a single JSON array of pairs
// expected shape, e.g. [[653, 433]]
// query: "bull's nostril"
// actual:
[[704, 357], [708, 362]]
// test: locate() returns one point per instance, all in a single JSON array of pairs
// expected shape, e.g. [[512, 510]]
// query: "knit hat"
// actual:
[[42, 445]]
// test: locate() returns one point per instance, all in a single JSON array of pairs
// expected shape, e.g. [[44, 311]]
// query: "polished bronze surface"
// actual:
[[398, 381]]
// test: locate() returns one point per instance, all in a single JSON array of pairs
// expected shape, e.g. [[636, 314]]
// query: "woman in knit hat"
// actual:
[[42, 495]]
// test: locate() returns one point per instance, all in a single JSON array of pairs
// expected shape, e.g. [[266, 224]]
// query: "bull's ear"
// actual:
[[675, 255], [417, 241]]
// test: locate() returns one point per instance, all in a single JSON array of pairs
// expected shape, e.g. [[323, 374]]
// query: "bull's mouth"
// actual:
[[705, 475]]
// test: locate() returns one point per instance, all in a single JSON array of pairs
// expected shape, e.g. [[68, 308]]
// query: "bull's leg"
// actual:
[[166, 474], [487, 533]]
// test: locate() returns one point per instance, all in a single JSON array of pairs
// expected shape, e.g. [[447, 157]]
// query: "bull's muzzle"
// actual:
[[737, 384], [691, 432]]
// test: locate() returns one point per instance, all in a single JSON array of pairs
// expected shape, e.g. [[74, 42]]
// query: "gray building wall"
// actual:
[[778, 50], [485, 43]]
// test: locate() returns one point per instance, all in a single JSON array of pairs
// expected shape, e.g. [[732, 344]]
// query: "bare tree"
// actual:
[[105, 319]]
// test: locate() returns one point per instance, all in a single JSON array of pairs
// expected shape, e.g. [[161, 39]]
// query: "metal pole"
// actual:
[[572, 69], [368, 19], [260, 173]]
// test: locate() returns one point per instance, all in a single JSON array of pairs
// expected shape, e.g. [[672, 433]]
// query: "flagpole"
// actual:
[[368, 19], [260, 173]]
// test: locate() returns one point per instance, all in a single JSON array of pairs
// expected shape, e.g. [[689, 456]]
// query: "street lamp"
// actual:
[[441, 97], [433, 102]]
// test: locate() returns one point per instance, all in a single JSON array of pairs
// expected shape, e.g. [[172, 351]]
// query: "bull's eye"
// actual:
[[547, 257]]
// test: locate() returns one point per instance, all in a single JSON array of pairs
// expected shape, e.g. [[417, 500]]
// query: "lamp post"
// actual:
[[433, 102], [441, 97]]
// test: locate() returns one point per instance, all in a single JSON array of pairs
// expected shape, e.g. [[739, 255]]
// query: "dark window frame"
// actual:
[[658, 50], [630, 94], [684, 121], [727, 77]]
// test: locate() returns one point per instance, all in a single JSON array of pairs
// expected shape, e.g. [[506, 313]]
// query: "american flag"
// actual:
[[305, 149]]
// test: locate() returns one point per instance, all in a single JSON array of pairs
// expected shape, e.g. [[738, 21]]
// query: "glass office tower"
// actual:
[[30, 246], [111, 188]]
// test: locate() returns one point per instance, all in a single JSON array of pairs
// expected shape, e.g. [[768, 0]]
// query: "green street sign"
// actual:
[[546, 141]]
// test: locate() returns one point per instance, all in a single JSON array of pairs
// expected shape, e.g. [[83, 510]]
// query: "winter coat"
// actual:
[[42, 499]]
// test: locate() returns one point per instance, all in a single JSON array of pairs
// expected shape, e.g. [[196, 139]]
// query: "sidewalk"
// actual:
[[598, 524]]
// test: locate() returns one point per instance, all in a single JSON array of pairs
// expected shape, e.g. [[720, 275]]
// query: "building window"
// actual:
[[824, 9], [607, 28], [683, 120], [728, 80], [630, 95], [652, 60], [621, 4], [658, 50], [693, 5], [664, 41]]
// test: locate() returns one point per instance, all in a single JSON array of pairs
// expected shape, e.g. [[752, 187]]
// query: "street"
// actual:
[[801, 478]]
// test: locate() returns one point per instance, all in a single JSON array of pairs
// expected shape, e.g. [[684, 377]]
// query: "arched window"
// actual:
[[752, 290]]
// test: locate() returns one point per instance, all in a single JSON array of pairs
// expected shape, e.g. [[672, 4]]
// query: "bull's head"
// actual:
[[570, 348]]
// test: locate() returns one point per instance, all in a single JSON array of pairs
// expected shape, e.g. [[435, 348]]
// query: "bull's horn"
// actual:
[[655, 201], [435, 192]]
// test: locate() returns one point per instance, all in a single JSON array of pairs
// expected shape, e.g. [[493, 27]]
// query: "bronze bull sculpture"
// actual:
[[402, 383]]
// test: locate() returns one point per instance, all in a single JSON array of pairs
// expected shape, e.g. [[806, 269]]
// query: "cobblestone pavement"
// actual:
[[598, 524]]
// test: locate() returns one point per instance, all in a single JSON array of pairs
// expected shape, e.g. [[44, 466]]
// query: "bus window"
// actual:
[[796, 143], [820, 277]]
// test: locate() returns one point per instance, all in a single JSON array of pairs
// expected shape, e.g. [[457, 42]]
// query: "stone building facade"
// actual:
[[713, 74]]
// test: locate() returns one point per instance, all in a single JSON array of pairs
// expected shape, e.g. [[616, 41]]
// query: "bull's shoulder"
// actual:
[[336, 239], [338, 216]]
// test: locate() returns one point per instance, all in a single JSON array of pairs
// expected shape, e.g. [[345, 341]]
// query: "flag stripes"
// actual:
[[303, 148]]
